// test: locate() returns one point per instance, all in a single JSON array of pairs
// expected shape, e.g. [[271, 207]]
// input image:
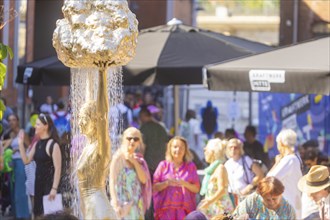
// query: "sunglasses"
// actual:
[[135, 139], [233, 147], [43, 116]]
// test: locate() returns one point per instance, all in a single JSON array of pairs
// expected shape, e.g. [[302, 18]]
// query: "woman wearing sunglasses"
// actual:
[[47, 154], [130, 184]]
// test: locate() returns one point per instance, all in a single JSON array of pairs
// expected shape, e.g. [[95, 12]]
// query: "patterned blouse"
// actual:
[[129, 189], [254, 207]]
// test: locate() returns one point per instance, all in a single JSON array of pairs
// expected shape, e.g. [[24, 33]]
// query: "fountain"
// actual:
[[95, 38]]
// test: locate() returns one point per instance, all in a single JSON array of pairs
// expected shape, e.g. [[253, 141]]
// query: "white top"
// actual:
[[188, 130], [288, 172], [47, 108], [30, 172], [308, 206], [121, 109], [236, 176], [15, 146], [325, 202]]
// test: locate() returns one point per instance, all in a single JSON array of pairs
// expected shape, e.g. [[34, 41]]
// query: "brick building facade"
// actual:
[[303, 19], [41, 16]]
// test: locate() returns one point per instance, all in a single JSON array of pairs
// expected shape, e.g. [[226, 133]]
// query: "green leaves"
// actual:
[[3, 70], [2, 109], [4, 52]]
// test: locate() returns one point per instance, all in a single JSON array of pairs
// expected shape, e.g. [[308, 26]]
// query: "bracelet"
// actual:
[[54, 188]]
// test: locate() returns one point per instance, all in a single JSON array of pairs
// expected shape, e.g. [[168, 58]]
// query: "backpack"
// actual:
[[62, 124]]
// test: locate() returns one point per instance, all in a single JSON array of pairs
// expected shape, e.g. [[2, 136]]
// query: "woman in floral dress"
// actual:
[[215, 182], [130, 184]]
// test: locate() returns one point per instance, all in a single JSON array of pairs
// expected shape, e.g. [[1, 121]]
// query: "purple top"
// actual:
[[174, 197], [146, 188]]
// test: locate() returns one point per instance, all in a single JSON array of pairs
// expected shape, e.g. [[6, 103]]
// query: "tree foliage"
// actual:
[[4, 52]]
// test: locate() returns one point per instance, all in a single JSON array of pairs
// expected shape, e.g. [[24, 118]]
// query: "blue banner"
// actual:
[[308, 115]]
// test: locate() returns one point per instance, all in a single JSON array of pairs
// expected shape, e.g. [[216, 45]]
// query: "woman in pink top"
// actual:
[[175, 182]]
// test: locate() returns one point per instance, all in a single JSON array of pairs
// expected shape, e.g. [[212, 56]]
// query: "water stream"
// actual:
[[84, 87]]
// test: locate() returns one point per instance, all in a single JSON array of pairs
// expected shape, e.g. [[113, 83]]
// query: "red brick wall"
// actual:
[[182, 10], [154, 12], [149, 12]]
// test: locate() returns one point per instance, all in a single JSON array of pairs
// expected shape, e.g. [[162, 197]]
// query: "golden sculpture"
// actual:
[[93, 164], [95, 31], [99, 34]]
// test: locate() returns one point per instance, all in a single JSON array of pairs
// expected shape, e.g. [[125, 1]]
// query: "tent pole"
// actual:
[[250, 108], [24, 106], [187, 102], [176, 109]]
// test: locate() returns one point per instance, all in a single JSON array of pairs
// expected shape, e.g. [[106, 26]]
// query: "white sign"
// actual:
[[261, 80], [27, 74]]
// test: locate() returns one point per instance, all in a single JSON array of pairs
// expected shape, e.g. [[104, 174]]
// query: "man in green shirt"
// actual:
[[155, 139]]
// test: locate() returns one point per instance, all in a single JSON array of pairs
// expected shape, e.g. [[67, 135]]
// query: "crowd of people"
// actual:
[[32, 158], [154, 175]]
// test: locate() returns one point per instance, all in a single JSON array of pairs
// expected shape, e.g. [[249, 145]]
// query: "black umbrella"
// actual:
[[176, 54], [165, 55], [49, 71], [301, 68]]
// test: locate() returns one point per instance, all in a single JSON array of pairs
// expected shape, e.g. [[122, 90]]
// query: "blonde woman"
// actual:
[[287, 168], [130, 183], [243, 173], [215, 182], [175, 182]]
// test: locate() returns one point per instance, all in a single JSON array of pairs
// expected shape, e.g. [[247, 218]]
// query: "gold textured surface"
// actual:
[[95, 31], [93, 164]]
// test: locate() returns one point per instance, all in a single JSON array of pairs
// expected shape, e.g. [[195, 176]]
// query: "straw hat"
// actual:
[[315, 180]]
